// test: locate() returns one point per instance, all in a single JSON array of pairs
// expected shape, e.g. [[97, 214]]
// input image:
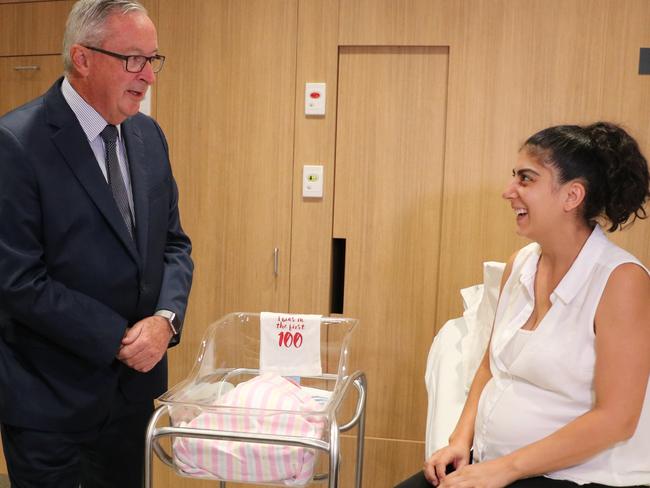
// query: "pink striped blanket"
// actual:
[[278, 400]]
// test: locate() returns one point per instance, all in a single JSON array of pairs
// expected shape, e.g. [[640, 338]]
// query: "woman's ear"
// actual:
[[575, 195]]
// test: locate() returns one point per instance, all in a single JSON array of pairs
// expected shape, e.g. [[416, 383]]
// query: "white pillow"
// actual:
[[455, 354]]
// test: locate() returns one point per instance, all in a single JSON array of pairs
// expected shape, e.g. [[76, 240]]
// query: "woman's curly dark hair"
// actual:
[[606, 159]]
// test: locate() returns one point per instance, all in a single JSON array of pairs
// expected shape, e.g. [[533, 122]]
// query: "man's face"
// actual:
[[114, 92]]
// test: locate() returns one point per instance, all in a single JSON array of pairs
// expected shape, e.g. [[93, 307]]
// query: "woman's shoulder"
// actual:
[[614, 257]]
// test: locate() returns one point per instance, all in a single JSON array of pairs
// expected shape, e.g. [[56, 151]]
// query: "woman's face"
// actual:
[[535, 195]]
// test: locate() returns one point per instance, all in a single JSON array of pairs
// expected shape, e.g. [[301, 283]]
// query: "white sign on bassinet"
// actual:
[[290, 344]]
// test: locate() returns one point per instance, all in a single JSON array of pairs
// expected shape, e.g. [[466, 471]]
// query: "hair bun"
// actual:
[[626, 172]]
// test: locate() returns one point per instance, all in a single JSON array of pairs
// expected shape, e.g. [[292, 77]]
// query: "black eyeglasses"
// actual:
[[135, 63]]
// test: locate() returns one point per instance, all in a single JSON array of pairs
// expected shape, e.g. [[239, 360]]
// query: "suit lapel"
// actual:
[[139, 177], [71, 141]]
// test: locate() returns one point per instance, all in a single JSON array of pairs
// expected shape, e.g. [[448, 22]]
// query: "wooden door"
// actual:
[[387, 205]]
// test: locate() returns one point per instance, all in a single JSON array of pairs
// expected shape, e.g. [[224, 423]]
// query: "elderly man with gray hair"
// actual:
[[96, 270]]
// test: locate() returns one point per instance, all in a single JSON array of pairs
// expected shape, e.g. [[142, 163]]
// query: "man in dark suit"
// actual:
[[95, 269]]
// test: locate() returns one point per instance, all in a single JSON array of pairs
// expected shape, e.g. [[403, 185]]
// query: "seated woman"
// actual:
[[561, 397]]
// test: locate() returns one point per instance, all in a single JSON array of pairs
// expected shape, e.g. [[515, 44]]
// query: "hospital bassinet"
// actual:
[[267, 439]]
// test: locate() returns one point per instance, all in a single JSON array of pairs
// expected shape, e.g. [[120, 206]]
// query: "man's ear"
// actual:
[[575, 195], [80, 59]]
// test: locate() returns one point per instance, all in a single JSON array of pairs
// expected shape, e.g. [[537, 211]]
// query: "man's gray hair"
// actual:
[[87, 20]]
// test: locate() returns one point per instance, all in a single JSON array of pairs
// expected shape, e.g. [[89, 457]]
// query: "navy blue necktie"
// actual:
[[115, 180]]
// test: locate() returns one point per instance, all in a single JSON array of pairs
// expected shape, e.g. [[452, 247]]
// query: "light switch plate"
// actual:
[[314, 98], [312, 181]]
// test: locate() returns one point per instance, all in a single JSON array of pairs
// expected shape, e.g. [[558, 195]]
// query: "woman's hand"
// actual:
[[488, 474], [435, 467]]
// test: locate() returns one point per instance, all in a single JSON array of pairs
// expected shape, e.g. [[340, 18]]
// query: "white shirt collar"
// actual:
[[582, 267], [573, 280], [91, 122]]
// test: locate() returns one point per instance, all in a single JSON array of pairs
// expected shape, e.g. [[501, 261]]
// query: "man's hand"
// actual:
[[144, 344]]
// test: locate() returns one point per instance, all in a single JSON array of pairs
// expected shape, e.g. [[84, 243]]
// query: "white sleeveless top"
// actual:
[[549, 382]]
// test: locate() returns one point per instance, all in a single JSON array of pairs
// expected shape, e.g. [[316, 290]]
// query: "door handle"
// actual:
[[276, 261]]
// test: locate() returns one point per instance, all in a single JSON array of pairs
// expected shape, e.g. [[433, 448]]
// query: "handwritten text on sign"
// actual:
[[290, 344], [287, 338]]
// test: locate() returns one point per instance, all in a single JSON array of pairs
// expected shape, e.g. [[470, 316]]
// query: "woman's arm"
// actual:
[[461, 439], [622, 368]]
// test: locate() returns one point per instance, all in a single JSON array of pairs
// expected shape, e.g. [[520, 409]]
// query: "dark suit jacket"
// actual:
[[71, 279]]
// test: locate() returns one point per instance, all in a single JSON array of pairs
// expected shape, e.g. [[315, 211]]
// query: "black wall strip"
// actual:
[[644, 61], [338, 276]]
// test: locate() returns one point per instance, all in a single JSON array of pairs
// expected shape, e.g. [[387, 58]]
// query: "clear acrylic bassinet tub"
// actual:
[[230, 421]]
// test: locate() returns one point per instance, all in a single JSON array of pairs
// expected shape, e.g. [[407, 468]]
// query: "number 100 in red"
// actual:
[[288, 339]]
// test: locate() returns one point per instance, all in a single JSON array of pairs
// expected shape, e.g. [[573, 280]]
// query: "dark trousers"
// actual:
[[419, 481], [110, 456]]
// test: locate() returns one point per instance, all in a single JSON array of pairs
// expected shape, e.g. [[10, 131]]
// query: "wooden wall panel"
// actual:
[[386, 461], [32, 28], [311, 220], [400, 22], [389, 167]]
